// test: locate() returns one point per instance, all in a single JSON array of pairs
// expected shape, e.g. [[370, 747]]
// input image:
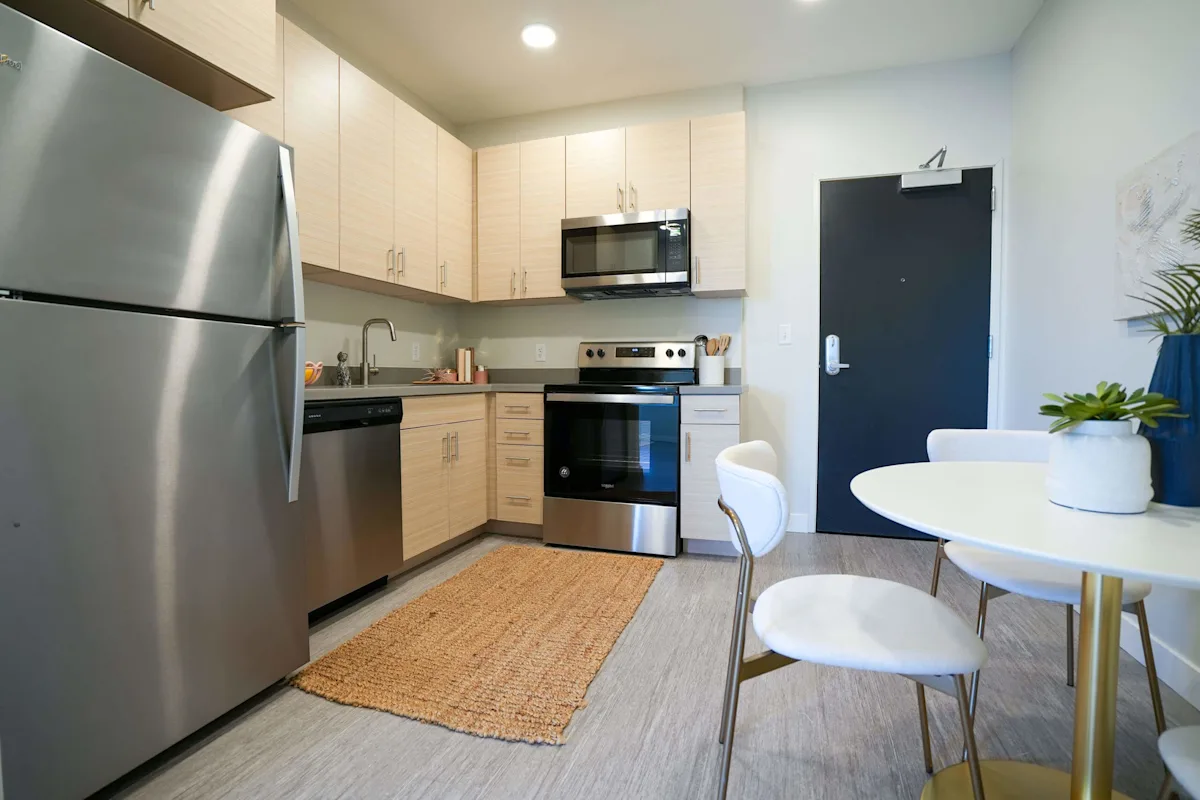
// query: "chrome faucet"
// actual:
[[367, 369]]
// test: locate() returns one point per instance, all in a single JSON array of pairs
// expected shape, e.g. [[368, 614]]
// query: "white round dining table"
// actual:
[[1003, 507]]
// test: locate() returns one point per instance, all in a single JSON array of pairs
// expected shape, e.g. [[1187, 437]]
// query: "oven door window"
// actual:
[[613, 451], [632, 249]]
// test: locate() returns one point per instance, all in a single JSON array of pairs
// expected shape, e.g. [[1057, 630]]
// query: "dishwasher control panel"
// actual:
[[341, 414]]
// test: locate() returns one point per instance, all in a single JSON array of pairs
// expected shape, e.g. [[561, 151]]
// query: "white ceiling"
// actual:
[[466, 60]]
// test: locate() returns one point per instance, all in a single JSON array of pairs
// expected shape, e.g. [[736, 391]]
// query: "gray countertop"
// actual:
[[318, 393]]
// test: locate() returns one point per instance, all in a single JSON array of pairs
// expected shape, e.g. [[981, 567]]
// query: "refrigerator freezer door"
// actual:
[[115, 188], [152, 570]]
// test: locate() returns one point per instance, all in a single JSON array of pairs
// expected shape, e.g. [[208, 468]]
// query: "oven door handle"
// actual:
[[623, 399]]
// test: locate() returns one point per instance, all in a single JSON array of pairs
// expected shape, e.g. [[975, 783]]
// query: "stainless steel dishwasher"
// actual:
[[350, 495]]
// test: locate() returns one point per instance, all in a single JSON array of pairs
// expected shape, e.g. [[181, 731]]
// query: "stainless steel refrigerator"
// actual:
[[151, 393]]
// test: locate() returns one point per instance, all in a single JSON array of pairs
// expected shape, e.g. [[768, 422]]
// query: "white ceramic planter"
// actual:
[[1100, 466]]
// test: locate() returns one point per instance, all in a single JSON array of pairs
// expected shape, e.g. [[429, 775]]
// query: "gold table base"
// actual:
[[1003, 780]]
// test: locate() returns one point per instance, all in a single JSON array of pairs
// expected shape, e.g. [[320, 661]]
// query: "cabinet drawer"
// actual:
[[710, 409], [422, 411], [519, 484], [518, 406], [519, 431]]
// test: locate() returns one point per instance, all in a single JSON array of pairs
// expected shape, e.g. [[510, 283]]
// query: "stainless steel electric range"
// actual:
[[612, 448]]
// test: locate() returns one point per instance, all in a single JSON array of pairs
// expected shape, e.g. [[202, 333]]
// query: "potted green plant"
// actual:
[[1097, 460], [1174, 296]]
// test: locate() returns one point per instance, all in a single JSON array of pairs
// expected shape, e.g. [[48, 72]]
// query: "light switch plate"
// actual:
[[416, 351], [785, 334], [539, 352]]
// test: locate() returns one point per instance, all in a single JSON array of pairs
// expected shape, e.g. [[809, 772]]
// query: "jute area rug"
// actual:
[[506, 648]]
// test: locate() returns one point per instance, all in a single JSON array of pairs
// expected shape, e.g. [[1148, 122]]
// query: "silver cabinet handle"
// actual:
[[632, 197], [150, 3], [446, 447], [445, 269], [391, 265], [620, 198], [688, 446], [526, 459], [456, 457], [833, 355], [518, 433], [524, 283], [512, 285], [524, 497], [402, 260]]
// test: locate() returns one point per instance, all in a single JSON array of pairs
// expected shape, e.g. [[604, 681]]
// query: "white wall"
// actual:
[[335, 318], [1099, 87], [799, 133], [507, 337]]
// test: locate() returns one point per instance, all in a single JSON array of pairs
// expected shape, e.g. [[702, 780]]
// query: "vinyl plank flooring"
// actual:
[[650, 727]]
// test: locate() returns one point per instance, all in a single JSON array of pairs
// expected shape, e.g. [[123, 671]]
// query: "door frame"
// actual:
[[994, 308]]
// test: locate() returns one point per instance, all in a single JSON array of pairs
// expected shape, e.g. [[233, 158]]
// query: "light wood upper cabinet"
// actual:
[[120, 6], [238, 36], [543, 207], [718, 206], [658, 165], [310, 126], [596, 173], [499, 181], [268, 117], [468, 477], [425, 480], [367, 152], [455, 187], [416, 198]]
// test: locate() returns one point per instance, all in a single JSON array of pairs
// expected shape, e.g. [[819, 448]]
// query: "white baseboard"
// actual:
[[1174, 669], [707, 547], [798, 523]]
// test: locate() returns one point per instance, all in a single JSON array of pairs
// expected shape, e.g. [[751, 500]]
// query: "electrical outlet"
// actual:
[[785, 334], [539, 352], [416, 351]]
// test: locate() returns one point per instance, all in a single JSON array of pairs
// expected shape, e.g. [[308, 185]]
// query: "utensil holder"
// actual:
[[712, 370]]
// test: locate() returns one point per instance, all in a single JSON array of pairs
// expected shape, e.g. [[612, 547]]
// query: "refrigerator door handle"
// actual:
[[293, 326], [293, 306]]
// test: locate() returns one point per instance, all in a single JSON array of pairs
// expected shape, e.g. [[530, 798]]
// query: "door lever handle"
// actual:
[[833, 355]]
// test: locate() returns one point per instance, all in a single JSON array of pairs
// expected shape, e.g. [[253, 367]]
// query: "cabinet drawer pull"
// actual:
[[710, 410], [524, 497], [517, 458], [509, 408], [518, 433]]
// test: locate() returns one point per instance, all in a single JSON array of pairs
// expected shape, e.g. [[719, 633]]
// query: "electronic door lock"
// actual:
[[833, 355]]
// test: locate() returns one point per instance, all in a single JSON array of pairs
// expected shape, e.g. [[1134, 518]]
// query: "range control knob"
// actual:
[[600, 352], [590, 352], [670, 353], [682, 352]]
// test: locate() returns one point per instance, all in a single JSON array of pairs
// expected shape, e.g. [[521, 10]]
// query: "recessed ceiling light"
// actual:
[[538, 36]]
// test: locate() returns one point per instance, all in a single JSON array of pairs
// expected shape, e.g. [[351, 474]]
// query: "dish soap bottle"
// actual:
[[342, 376]]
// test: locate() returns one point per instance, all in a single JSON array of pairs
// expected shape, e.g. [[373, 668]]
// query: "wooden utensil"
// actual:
[[710, 347], [723, 343]]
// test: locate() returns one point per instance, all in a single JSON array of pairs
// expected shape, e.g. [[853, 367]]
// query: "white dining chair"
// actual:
[[1180, 750], [1002, 574], [836, 620]]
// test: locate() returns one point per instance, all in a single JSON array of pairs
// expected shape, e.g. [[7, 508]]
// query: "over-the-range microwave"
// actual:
[[642, 254]]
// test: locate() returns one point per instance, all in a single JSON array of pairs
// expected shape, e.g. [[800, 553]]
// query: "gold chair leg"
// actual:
[[968, 726], [1070, 646], [1160, 719], [938, 555], [1166, 792], [980, 627], [924, 713]]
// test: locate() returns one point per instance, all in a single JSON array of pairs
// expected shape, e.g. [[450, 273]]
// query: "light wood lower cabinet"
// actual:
[[710, 424], [468, 476], [424, 484], [519, 483], [443, 470]]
